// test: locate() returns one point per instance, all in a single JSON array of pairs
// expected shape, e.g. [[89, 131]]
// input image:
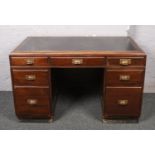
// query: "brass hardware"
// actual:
[[32, 101], [77, 61], [30, 77], [124, 77], [125, 62], [122, 102], [30, 61]]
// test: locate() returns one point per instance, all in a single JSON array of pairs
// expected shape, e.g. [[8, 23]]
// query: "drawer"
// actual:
[[122, 102], [124, 77], [126, 61], [31, 91], [79, 61], [29, 61], [30, 77], [32, 106]]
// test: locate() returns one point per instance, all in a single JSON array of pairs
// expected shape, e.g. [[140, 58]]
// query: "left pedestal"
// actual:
[[31, 88]]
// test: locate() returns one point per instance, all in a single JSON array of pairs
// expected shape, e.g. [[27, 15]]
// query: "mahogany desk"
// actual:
[[120, 59]]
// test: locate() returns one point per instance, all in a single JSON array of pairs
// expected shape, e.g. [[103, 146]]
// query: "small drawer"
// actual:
[[77, 62], [124, 77], [126, 61], [29, 61], [30, 77], [32, 106], [122, 102], [31, 91]]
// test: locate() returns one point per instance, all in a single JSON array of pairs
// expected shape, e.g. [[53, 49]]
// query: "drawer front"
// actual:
[[122, 102], [31, 91], [29, 61], [30, 77], [124, 77], [74, 62], [32, 106], [126, 61]]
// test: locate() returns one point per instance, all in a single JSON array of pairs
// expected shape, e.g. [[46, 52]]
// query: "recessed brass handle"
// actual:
[[124, 77], [77, 61], [125, 62], [30, 61], [122, 102], [30, 77], [32, 101]]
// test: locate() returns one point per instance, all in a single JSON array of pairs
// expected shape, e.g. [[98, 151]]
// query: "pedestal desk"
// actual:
[[120, 59]]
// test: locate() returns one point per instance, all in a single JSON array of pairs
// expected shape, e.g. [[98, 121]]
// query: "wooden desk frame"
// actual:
[[123, 79]]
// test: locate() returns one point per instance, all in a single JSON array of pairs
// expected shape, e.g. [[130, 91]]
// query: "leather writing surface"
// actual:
[[76, 44]]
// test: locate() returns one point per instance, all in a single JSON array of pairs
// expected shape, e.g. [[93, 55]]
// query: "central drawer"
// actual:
[[77, 61], [30, 77]]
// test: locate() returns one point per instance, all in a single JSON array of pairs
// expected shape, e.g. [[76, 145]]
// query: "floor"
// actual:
[[80, 112]]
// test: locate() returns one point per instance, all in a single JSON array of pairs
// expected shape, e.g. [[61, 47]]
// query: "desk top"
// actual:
[[64, 45]]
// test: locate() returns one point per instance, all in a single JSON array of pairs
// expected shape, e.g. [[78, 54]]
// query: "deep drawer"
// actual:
[[29, 61], [126, 61], [77, 62], [124, 77], [30, 77], [122, 102], [32, 106]]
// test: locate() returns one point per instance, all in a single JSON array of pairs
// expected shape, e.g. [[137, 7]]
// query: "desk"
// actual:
[[120, 59]]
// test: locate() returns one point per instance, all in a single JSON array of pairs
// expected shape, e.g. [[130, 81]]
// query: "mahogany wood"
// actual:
[[31, 91], [113, 77], [21, 77], [42, 106], [135, 61], [22, 61], [85, 61], [32, 62], [114, 94]]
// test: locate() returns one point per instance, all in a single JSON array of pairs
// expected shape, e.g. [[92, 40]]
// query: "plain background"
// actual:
[[13, 35], [71, 12]]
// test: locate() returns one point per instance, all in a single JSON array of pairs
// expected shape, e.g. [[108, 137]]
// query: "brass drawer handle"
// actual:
[[77, 61], [32, 101], [122, 102], [30, 61], [125, 62], [124, 77], [30, 77]]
